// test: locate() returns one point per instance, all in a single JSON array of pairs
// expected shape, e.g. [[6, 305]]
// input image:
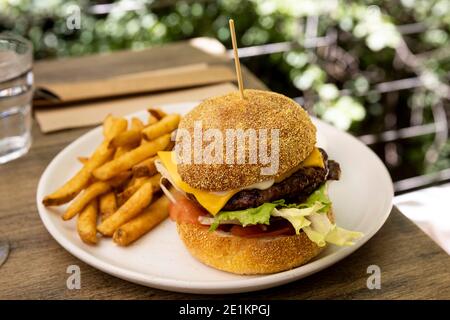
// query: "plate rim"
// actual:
[[210, 287]]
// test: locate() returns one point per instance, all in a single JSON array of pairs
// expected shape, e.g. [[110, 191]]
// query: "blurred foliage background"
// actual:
[[379, 69]]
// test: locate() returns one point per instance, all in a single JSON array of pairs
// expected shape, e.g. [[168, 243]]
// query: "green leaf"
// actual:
[[258, 215], [320, 195], [309, 216], [317, 201], [322, 231], [296, 216], [342, 237]]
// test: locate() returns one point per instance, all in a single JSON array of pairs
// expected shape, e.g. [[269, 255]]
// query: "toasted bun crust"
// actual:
[[259, 110], [248, 255]]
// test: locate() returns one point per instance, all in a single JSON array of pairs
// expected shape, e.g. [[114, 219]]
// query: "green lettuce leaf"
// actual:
[[320, 223], [342, 237], [318, 200], [258, 215], [322, 231], [315, 236], [321, 196], [309, 216], [297, 216]]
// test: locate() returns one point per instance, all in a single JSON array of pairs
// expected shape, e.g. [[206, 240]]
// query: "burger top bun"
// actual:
[[259, 110]]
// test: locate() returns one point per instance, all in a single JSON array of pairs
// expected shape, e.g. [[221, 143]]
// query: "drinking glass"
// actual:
[[16, 90]]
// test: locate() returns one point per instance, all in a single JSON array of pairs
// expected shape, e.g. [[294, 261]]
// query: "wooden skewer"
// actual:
[[236, 59]]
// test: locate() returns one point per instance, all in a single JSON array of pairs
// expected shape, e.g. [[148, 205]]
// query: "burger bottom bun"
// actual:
[[248, 255]]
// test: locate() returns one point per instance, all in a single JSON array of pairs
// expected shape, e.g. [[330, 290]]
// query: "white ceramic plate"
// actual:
[[362, 201]]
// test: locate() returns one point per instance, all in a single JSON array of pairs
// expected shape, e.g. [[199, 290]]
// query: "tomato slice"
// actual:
[[184, 210], [257, 231], [187, 211]]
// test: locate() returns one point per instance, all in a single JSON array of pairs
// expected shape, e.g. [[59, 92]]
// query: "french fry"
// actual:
[[129, 190], [120, 179], [144, 140], [151, 120], [170, 146], [154, 180], [137, 183], [131, 158], [120, 151], [154, 115], [130, 182], [164, 126], [74, 186], [157, 113], [143, 223], [87, 223], [91, 192], [127, 138], [108, 205], [128, 210], [112, 127], [137, 124], [83, 160], [145, 168]]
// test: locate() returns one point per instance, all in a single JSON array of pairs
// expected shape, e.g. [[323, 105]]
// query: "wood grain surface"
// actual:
[[412, 265], [119, 63]]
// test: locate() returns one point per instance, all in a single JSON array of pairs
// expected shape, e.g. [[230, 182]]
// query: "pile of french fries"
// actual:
[[117, 191]]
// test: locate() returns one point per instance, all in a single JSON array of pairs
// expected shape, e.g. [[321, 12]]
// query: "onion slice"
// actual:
[[205, 220]]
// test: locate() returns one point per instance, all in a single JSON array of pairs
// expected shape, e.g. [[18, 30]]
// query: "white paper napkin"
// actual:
[[429, 209]]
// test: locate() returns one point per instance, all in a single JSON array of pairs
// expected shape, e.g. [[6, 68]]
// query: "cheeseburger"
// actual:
[[248, 184]]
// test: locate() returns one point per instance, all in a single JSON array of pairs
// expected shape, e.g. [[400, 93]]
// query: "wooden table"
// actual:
[[412, 265]]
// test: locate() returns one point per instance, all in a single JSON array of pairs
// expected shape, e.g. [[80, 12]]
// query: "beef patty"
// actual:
[[294, 189]]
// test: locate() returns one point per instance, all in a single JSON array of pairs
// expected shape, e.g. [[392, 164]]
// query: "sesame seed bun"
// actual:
[[240, 255], [259, 110]]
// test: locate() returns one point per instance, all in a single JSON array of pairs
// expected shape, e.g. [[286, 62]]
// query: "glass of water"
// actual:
[[16, 90]]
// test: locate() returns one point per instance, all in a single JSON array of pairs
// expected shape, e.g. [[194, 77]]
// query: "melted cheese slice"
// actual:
[[214, 201], [315, 159]]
